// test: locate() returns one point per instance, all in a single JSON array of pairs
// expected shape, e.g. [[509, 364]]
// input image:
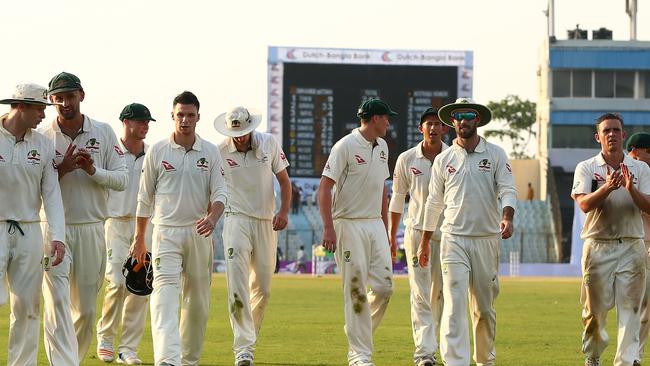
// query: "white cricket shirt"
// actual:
[[249, 175], [123, 203], [84, 196], [411, 176], [177, 186], [28, 178], [474, 187], [617, 217], [359, 168]]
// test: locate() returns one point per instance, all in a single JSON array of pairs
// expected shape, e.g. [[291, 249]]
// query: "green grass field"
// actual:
[[538, 324]]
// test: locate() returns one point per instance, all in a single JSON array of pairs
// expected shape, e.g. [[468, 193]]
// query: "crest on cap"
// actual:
[[239, 121], [28, 93]]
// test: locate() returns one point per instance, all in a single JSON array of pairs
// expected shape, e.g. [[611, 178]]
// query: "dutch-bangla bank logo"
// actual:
[[386, 57], [291, 54]]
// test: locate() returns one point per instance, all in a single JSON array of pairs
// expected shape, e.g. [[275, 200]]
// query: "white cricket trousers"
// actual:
[[363, 257], [250, 251], [119, 303], [645, 305], [81, 273], [426, 294], [469, 263], [613, 274], [21, 268], [182, 268]]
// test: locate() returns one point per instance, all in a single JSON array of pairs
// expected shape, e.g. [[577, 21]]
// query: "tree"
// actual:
[[519, 118]]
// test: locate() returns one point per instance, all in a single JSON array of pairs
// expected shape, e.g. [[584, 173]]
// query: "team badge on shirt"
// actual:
[[109, 252], [347, 256], [484, 165], [202, 164], [168, 167], [92, 145], [231, 253], [2, 160], [509, 168], [57, 154], [359, 159], [232, 163], [33, 157], [157, 263], [416, 171], [450, 169], [283, 157], [327, 166], [382, 156]]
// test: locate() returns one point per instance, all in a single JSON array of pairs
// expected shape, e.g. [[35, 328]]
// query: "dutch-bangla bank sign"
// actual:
[[376, 57]]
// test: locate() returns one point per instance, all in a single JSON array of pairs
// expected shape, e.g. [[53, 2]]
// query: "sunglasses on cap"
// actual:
[[467, 116]]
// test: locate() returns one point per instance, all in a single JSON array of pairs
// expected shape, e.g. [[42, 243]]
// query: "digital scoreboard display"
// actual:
[[314, 95]]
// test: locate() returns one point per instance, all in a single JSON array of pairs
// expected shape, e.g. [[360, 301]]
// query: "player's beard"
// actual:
[[466, 132]]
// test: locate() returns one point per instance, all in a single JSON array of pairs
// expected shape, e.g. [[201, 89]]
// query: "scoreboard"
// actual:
[[314, 95]]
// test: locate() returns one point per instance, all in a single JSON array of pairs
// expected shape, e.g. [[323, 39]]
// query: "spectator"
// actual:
[[531, 192]]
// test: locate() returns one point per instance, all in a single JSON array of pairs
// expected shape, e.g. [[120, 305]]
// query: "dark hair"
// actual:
[[608, 115], [187, 97]]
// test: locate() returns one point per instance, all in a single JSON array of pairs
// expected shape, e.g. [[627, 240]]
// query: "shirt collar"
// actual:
[[198, 144], [420, 155], [255, 143], [480, 147], [85, 127], [3, 130], [627, 160], [360, 139]]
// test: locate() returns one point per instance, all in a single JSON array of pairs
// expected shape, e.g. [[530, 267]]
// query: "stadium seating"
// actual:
[[533, 236]]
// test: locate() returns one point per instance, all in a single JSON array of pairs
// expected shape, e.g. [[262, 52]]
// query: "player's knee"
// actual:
[[25, 307], [384, 290]]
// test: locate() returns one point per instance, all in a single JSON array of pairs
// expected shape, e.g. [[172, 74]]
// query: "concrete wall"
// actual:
[[527, 171]]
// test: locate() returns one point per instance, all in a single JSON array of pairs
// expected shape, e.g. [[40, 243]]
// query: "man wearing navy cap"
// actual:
[[355, 225], [120, 304], [411, 176]]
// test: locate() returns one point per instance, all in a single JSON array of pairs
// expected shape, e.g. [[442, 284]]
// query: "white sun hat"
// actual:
[[239, 121], [28, 93]]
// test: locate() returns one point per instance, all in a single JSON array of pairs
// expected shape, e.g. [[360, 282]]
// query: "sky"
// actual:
[[148, 51]]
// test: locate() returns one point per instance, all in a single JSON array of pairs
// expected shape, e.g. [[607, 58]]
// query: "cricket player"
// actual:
[[120, 304], [28, 178], [472, 183], [612, 189], [182, 189], [638, 147], [90, 162], [250, 161], [411, 176], [355, 225]]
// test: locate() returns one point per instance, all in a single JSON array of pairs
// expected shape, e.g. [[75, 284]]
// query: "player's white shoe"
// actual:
[[592, 361], [362, 363], [426, 361], [128, 358], [105, 351], [244, 359]]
